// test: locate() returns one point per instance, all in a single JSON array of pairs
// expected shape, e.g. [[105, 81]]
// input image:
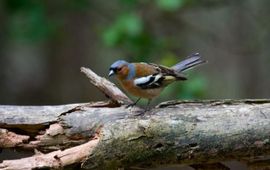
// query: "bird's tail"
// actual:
[[192, 61]]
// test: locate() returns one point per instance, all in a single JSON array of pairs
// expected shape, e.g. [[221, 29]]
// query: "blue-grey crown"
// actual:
[[118, 63]]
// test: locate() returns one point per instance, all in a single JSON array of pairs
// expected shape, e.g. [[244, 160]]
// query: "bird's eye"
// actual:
[[119, 69]]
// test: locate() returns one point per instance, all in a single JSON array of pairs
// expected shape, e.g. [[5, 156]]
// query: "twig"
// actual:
[[107, 87]]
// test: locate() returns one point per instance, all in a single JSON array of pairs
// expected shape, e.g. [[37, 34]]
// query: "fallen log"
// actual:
[[104, 135]]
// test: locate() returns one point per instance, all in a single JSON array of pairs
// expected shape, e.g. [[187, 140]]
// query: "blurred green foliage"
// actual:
[[127, 27], [31, 21], [44, 42], [129, 30], [27, 20], [170, 5]]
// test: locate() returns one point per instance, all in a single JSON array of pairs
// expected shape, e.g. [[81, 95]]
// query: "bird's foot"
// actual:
[[133, 104], [130, 105]]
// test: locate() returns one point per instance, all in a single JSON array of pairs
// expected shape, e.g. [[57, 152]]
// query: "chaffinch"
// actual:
[[147, 80]]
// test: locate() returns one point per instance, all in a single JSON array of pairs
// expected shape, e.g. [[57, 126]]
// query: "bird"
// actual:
[[147, 80]]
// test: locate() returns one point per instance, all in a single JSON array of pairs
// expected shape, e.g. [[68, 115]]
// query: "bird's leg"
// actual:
[[148, 103], [136, 101], [133, 104]]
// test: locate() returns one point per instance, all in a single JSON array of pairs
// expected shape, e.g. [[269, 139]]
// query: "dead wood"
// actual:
[[102, 135]]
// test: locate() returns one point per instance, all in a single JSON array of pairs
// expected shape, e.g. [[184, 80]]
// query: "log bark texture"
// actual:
[[177, 132]]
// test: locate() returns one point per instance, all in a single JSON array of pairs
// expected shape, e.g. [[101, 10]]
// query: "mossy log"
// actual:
[[184, 132]]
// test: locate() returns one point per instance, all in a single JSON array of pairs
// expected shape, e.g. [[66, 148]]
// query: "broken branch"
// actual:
[[107, 87]]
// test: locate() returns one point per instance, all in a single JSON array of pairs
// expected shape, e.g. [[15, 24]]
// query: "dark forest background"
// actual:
[[43, 44]]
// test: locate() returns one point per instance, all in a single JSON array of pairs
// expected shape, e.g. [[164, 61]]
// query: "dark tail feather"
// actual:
[[192, 61]]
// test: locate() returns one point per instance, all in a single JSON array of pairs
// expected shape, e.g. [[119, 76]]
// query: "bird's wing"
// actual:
[[151, 81], [155, 76], [166, 71]]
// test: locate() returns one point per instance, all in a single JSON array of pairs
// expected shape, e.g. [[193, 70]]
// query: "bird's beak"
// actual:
[[111, 73]]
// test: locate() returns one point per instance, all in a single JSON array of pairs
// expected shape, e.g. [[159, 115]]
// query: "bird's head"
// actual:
[[119, 68]]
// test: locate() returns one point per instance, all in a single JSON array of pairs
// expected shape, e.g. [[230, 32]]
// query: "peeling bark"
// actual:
[[54, 160], [172, 133], [10, 139]]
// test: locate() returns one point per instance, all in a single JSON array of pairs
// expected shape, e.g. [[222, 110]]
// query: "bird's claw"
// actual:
[[130, 105]]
